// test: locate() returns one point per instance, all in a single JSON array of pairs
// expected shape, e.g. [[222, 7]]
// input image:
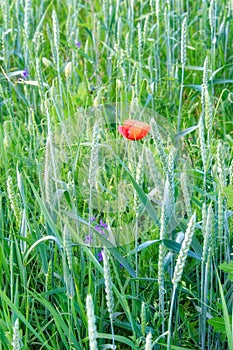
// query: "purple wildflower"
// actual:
[[25, 74], [78, 44], [98, 228], [100, 256], [88, 239], [101, 225]]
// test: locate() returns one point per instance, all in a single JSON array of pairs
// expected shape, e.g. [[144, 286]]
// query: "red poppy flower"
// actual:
[[134, 129]]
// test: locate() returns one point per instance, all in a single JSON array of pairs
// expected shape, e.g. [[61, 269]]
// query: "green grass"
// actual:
[[70, 184]]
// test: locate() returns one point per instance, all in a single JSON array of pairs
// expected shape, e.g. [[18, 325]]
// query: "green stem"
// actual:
[[170, 317]]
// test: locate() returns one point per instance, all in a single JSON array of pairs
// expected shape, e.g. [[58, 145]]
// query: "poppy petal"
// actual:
[[134, 130], [123, 131]]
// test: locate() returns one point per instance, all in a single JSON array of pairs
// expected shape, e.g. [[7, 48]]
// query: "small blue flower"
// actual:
[[100, 256], [25, 74], [103, 224], [78, 44], [101, 227]]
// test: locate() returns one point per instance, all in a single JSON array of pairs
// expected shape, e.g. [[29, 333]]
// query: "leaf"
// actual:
[[219, 69], [228, 268], [46, 238], [228, 192], [186, 131], [142, 195], [226, 317], [118, 338], [22, 318], [218, 324], [174, 347], [172, 245], [194, 68], [63, 329], [31, 82], [222, 81], [143, 246], [177, 246], [194, 87]]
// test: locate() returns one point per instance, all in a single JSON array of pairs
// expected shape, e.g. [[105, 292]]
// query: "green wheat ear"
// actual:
[[221, 165], [183, 42], [92, 332], [56, 38], [48, 276], [48, 174], [67, 247], [17, 340], [184, 250], [108, 282], [185, 192], [14, 200], [159, 144], [148, 345], [143, 318], [27, 18], [179, 267], [94, 162], [108, 290]]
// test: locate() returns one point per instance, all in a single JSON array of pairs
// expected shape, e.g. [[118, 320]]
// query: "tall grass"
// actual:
[[108, 243]]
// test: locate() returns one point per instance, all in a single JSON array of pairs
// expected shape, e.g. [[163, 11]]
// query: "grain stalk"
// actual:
[[167, 12], [7, 132], [157, 49], [56, 44], [183, 63], [159, 144], [108, 291], [48, 174], [185, 192], [92, 332], [154, 172], [203, 149], [148, 345], [171, 182], [221, 167], [14, 201], [39, 78], [93, 168], [138, 178], [161, 259], [67, 247], [140, 49], [179, 267], [27, 20], [207, 251], [212, 23], [143, 319], [17, 339], [5, 7]]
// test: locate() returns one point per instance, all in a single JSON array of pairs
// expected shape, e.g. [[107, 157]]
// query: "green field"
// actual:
[[116, 175]]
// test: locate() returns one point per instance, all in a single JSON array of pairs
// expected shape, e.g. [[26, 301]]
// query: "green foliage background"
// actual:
[[66, 65]]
